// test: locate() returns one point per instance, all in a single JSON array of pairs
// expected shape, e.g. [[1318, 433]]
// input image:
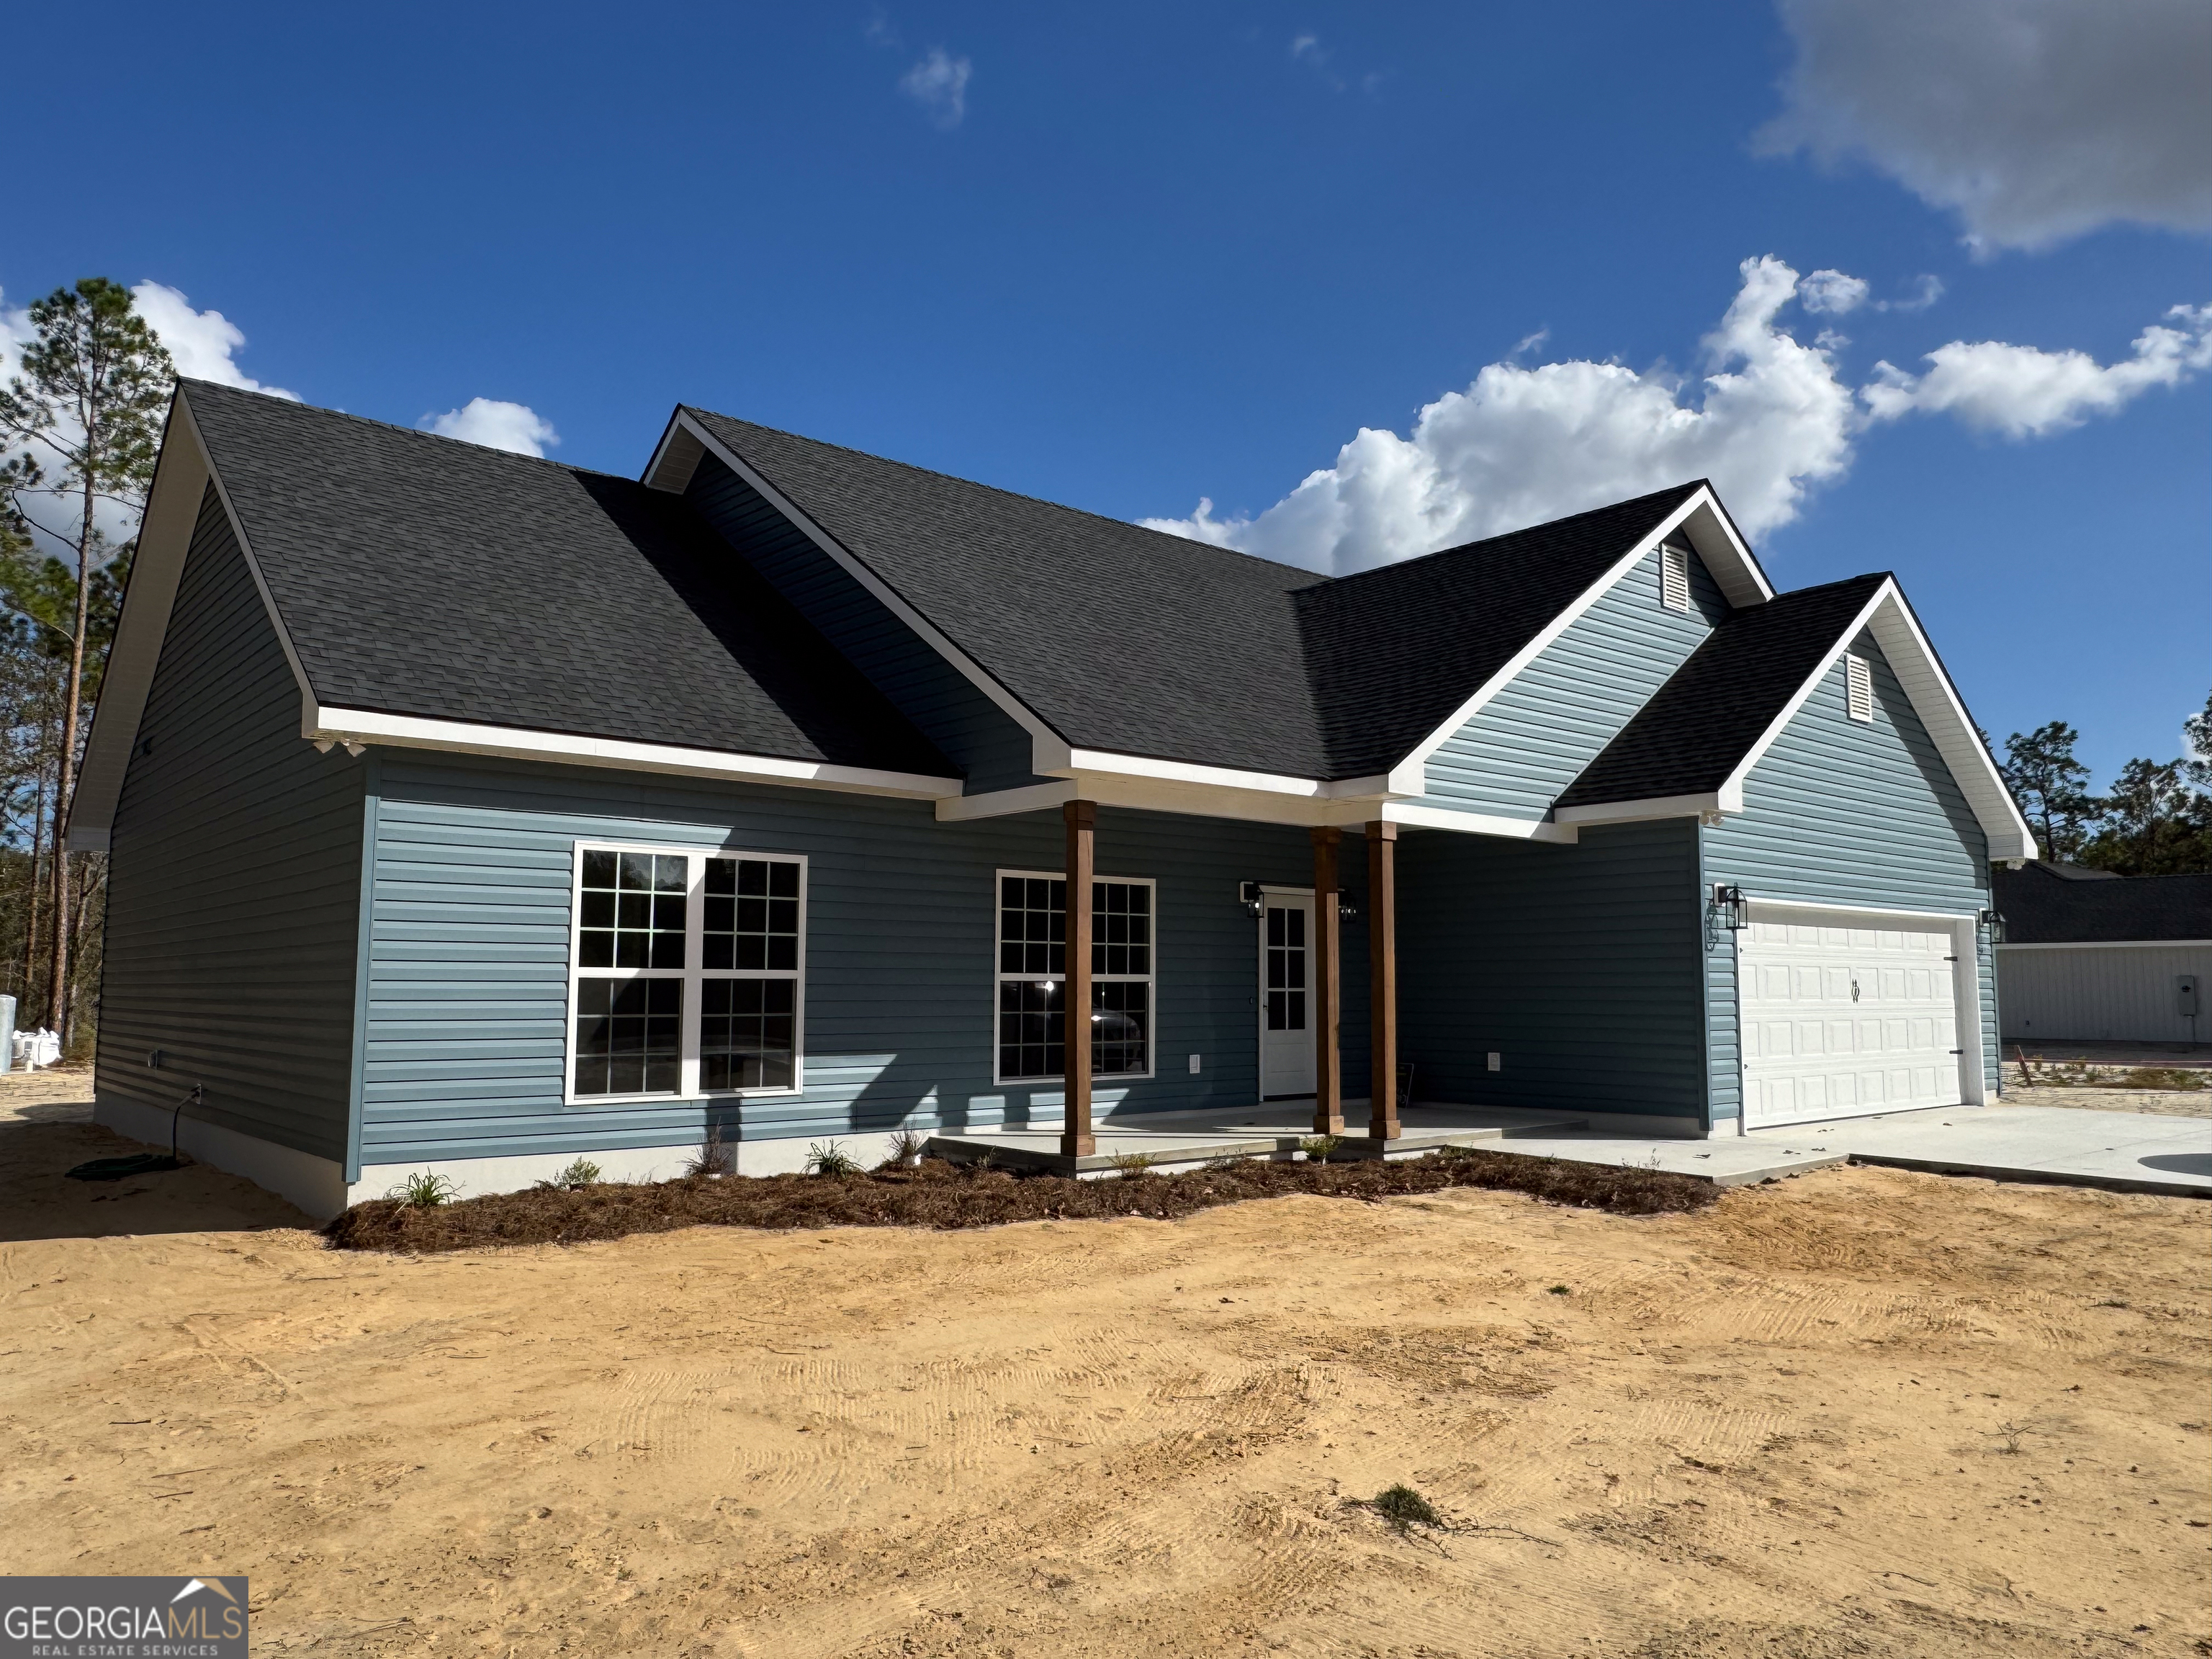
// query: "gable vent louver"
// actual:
[[1858, 688], [1674, 578]]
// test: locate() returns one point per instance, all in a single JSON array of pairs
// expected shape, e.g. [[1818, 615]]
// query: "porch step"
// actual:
[[1170, 1149]]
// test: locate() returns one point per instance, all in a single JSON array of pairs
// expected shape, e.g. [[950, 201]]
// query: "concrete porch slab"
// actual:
[[2120, 1152], [1270, 1129], [1729, 1161]]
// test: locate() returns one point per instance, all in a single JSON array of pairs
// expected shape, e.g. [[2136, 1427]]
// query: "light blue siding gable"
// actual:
[[1845, 812], [1531, 739], [234, 884], [990, 747]]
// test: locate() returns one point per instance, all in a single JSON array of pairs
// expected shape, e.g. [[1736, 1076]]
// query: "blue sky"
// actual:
[[1131, 257]]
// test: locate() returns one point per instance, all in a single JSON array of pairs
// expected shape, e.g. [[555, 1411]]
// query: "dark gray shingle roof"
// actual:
[[421, 575], [1703, 722], [2042, 906], [1139, 642]]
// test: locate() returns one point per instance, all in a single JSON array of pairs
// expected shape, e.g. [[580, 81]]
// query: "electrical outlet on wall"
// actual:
[[1497, 1061], [1193, 1065]]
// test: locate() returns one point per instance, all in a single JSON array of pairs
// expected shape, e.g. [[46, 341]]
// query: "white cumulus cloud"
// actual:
[[2022, 392], [938, 82], [2034, 120], [200, 342], [1521, 446], [496, 425], [1771, 420]]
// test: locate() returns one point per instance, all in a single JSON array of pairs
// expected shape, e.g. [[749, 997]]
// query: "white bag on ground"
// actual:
[[32, 1049]]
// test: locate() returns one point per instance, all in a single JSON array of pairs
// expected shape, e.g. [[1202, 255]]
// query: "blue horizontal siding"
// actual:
[[233, 885], [1579, 965], [991, 749], [1531, 740], [467, 988], [1841, 811]]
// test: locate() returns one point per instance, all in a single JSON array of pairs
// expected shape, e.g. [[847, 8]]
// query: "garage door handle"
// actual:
[[1958, 1051]]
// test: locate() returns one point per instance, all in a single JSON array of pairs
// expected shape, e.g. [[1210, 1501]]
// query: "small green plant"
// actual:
[[828, 1158], [1558, 1290], [1320, 1148], [426, 1189], [1131, 1164], [1404, 1509], [582, 1173], [907, 1146]]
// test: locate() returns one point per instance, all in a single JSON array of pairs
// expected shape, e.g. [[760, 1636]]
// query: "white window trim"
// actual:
[[998, 1080], [693, 975]]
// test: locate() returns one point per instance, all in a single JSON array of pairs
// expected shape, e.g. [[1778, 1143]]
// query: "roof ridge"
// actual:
[[1524, 530], [1015, 494], [301, 404]]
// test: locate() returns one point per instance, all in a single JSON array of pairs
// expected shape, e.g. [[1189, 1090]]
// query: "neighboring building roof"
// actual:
[[1131, 639], [2047, 904], [419, 576], [1699, 728]]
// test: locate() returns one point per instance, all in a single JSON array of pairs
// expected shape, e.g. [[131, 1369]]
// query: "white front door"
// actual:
[[1287, 1042], [1840, 1021]]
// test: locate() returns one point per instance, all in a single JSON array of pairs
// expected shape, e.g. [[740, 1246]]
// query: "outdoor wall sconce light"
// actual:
[[1732, 907], [1248, 895], [1991, 924]]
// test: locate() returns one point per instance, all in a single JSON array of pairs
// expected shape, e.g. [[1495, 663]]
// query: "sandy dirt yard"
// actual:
[[1859, 1412]]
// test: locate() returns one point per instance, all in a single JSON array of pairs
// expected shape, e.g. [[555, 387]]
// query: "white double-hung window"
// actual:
[[1032, 950], [686, 973]]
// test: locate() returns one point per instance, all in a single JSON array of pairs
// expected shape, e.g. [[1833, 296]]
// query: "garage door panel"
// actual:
[[1841, 1020]]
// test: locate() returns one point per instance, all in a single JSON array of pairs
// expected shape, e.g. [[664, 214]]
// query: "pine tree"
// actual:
[[2049, 785], [83, 422]]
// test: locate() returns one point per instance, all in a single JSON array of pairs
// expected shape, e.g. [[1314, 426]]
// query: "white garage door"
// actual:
[[1842, 1021]]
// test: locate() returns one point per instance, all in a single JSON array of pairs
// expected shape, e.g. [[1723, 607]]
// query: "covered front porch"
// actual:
[[1299, 1012], [1279, 1129]]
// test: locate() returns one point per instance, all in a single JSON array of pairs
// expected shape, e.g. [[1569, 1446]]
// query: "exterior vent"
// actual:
[[1674, 578], [1858, 688]]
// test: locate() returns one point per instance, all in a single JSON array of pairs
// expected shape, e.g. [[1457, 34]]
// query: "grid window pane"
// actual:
[[745, 1033], [629, 1035], [1031, 1029], [1121, 928], [1032, 926], [751, 916], [632, 912], [1121, 1020]]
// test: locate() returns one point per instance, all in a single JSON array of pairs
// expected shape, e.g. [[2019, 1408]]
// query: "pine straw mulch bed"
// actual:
[[946, 1195]]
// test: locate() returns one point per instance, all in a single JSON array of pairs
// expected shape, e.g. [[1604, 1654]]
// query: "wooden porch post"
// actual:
[[1382, 979], [1076, 1140], [1328, 1079]]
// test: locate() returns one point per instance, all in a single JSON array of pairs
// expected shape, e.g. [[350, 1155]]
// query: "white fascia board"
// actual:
[[1478, 823], [1913, 660], [182, 475], [1943, 712], [1048, 745], [1004, 803], [1638, 811], [2113, 945], [1735, 570], [370, 726]]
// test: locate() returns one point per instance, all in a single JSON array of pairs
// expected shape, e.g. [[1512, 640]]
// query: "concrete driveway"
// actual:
[[2125, 1152]]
